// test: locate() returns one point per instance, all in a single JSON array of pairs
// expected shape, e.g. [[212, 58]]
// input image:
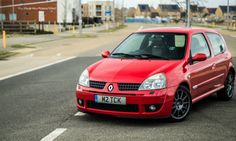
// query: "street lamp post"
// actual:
[[13, 10], [188, 12], [114, 11], [228, 16], [122, 10], [80, 18]]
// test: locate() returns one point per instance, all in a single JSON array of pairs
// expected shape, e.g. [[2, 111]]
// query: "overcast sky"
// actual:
[[133, 3]]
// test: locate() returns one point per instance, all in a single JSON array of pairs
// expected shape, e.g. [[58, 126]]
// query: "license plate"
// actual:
[[110, 100]]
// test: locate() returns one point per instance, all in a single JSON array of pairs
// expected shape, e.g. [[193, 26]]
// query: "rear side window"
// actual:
[[217, 43], [199, 45]]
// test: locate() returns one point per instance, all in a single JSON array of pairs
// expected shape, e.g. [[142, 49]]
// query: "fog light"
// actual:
[[81, 102], [152, 108]]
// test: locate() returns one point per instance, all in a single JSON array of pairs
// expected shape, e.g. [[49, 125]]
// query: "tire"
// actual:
[[228, 91], [182, 104]]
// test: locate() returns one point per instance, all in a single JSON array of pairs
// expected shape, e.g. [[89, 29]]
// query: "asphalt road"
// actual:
[[33, 105]]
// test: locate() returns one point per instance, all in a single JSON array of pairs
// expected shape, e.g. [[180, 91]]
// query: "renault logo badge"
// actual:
[[110, 87]]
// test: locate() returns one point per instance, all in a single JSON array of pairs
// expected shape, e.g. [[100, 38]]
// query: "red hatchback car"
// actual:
[[158, 73]]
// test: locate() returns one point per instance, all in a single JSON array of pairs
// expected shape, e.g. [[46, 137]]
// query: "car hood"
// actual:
[[128, 70]]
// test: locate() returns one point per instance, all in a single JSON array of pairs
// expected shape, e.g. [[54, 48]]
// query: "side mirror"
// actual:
[[199, 57], [105, 54]]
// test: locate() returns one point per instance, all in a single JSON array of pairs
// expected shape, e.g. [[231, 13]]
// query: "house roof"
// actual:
[[232, 9], [211, 10], [193, 8], [201, 8], [169, 7], [144, 7], [152, 9]]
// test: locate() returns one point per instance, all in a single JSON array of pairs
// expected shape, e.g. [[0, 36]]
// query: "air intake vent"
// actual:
[[128, 86], [97, 84]]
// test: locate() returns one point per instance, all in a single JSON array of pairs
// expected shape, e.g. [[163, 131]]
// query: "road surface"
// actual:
[[41, 105]]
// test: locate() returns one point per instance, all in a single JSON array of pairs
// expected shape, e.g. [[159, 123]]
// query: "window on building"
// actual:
[[2, 17], [13, 17], [98, 14], [98, 7]]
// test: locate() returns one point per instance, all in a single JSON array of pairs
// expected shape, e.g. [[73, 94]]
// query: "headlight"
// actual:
[[84, 78], [157, 81]]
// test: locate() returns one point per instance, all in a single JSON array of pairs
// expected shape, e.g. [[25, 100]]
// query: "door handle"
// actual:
[[213, 66]]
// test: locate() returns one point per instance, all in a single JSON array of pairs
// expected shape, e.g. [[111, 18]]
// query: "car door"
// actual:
[[201, 73], [221, 59]]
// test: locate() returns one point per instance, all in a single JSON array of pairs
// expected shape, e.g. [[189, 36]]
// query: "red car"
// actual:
[[158, 73]]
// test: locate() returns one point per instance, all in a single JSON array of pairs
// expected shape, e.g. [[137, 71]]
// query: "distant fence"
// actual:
[[19, 26], [143, 20], [156, 20]]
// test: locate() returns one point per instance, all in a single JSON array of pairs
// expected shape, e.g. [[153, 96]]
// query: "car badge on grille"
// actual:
[[110, 87]]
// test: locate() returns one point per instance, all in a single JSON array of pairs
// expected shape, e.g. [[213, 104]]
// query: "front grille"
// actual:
[[111, 107], [128, 86], [97, 84]]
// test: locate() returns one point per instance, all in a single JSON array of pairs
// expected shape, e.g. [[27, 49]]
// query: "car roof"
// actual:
[[177, 30]]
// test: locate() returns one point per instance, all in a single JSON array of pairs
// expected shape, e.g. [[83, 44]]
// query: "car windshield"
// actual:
[[160, 46]]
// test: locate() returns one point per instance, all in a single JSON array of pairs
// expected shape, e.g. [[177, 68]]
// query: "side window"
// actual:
[[217, 43], [199, 45]]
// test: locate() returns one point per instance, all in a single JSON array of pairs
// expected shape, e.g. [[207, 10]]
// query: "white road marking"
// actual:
[[54, 134], [79, 114], [37, 68]]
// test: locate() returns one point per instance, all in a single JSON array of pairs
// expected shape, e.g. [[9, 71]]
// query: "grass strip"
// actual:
[[6, 54], [18, 46], [115, 29]]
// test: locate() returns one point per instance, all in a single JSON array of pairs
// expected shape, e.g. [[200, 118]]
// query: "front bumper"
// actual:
[[136, 103]]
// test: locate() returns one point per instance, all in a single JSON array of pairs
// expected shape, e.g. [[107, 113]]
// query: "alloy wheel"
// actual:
[[182, 104], [230, 85]]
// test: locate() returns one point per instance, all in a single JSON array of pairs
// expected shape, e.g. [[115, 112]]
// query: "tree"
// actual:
[[64, 5]]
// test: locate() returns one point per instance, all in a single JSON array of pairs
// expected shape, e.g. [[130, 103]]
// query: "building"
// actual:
[[154, 13], [203, 11], [221, 11], [131, 12], [169, 10], [85, 10], [194, 10], [101, 10], [211, 11], [143, 10], [59, 11]]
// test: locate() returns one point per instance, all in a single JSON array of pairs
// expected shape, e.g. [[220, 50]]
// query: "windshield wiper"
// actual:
[[141, 56], [125, 55], [151, 56]]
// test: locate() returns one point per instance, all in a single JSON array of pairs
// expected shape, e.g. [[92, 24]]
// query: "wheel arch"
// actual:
[[186, 84], [232, 70]]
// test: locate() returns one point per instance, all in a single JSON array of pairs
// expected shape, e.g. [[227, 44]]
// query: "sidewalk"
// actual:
[[60, 50], [34, 39]]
